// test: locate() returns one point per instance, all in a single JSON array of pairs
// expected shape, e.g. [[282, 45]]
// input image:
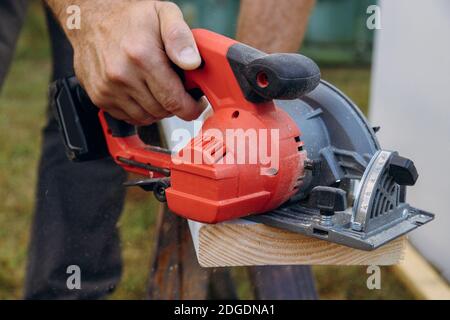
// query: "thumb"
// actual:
[[178, 40]]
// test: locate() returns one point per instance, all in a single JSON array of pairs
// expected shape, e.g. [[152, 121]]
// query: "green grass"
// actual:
[[22, 115]]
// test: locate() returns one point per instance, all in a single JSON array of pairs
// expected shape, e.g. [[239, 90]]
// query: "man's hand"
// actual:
[[123, 56]]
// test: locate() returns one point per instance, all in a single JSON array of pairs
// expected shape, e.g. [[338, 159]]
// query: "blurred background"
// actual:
[[337, 39]]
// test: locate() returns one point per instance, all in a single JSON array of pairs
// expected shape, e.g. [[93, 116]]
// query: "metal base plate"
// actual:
[[308, 222]]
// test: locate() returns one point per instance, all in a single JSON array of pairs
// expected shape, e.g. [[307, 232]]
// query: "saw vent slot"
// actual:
[[387, 196], [299, 180], [213, 148], [299, 143]]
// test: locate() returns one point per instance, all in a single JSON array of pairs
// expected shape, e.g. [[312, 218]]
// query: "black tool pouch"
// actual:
[[78, 121]]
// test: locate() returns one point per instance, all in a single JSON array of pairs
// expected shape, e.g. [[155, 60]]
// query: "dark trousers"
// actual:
[[77, 209], [12, 14]]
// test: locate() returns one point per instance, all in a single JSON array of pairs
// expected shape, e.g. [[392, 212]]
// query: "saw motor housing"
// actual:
[[240, 83]]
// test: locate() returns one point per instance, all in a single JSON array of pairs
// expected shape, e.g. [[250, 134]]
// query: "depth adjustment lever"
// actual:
[[328, 200]]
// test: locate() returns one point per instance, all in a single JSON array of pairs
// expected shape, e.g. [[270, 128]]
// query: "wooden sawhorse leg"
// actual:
[[176, 274]]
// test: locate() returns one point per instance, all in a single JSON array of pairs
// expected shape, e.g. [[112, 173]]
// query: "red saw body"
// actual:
[[221, 188], [240, 83]]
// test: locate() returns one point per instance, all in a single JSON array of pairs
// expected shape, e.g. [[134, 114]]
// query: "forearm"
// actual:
[[274, 25], [89, 10]]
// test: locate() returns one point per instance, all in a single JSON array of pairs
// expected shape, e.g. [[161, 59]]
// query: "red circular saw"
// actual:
[[282, 147]]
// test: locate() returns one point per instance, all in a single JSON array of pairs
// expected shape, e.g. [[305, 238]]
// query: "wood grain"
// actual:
[[244, 243]]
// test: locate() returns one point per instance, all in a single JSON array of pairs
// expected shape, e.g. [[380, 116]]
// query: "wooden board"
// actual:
[[245, 243], [420, 277]]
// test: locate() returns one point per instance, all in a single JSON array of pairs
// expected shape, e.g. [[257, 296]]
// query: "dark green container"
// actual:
[[216, 15], [336, 32]]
